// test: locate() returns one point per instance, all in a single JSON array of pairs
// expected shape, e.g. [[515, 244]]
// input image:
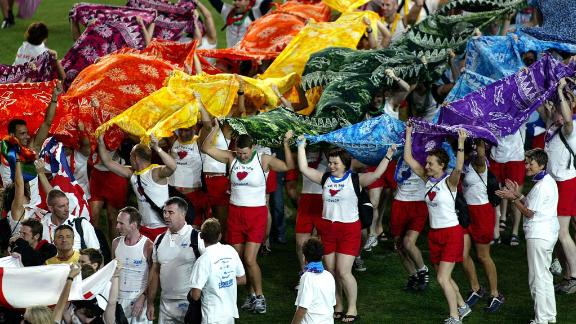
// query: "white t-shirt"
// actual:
[[560, 161], [473, 187], [248, 182], [209, 163], [80, 167], [90, 237], [340, 200], [318, 161], [543, 201], [510, 148], [411, 189], [389, 110], [441, 205], [27, 52], [188, 171], [215, 274], [317, 293]]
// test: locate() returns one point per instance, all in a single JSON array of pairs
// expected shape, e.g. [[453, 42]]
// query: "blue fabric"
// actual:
[[315, 267], [559, 21]]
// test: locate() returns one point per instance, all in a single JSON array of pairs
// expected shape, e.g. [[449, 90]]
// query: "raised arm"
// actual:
[[284, 101], [41, 170], [565, 109], [58, 311], [454, 177], [241, 98], [110, 311], [408, 158], [169, 163], [211, 33], [414, 12], [386, 36], [277, 164], [42, 132], [17, 207], [371, 35], [208, 147], [147, 32], [84, 140], [310, 173], [112, 165], [368, 178]]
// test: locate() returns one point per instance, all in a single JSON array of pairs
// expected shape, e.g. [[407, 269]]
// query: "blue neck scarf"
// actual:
[[538, 176], [315, 267]]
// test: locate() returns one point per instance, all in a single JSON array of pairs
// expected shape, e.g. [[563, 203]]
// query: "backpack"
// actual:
[[104, 247], [365, 207], [491, 186]]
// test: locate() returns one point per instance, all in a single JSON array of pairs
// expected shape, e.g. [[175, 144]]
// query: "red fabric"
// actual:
[[218, 189], [567, 197], [446, 244], [513, 170], [27, 101], [291, 175], [246, 224], [482, 222], [108, 187], [387, 179], [407, 215], [271, 182], [201, 205], [152, 233], [309, 214], [343, 238]]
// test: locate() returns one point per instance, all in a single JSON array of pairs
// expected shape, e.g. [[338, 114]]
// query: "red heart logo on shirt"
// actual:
[[431, 195], [182, 154], [241, 175], [333, 192]]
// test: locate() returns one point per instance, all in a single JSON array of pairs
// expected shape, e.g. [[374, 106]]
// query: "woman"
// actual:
[[340, 228], [446, 238], [540, 229]]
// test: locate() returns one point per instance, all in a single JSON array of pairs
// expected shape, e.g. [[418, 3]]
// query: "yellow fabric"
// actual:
[[73, 259], [344, 32], [146, 169], [345, 5]]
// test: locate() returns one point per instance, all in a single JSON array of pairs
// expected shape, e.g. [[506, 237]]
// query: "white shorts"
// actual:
[[127, 307], [172, 311]]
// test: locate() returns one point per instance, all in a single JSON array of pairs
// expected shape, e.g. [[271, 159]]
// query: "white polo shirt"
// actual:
[[89, 234], [317, 293]]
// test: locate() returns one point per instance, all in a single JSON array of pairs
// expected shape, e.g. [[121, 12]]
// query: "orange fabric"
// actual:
[[104, 90], [268, 36]]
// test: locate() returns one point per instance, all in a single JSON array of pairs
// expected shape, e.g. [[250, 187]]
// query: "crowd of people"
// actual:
[[189, 215]]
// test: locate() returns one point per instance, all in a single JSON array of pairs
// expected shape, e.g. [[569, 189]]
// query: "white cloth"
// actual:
[[539, 252], [27, 52], [543, 201], [235, 33], [510, 148], [188, 171], [157, 192], [340, 200], [474, 186], [134, 274], [248, 182], [560, 161], [176, 259], [212, 165], [215, 273], [441, 205], [309, 187], [389, 110], [172, 311], [80, 167], [411, 189], [317, 293], [90, 237]]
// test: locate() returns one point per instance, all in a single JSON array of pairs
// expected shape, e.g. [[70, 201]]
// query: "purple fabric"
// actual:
[[503, 106], [27, 8], [173, 20], [82, 13], [427, 136], [40, 69], [100, 39]]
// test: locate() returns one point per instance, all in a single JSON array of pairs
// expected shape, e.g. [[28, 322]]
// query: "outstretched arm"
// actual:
[[368, 178], [63, 299], [454, 177], [42, 133], [219, 155], [310, 173], [565, 109], [279, 165], [112, 165], [408, 158]]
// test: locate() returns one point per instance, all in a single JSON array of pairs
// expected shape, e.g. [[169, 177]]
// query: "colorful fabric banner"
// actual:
[[11, 151], [173, 20], [84, 12], [104, 90], [40, 69], [558, 24], [506, 104], [345, 5]]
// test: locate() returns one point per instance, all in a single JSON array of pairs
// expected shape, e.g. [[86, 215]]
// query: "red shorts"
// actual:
[[271, 181], [566, 197], [246, 224], [407, 216], [108, 187], [343, 238], [482, 222], [387, 179], [291, 175], [446, 244], [513, 170], [309, 214], [218, 187], [201, 205], [152, 233]]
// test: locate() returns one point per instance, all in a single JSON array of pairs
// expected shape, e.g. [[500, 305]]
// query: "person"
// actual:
[[481, 228], [340, 229], [560, 139], [541, 227], [237, 17], [216, 275], [149, 181], [134, 250], [92, 258], [172, 262], [247, 212], [38, 315], [414, 11], [64, 242], [408, 217], [34, 45], [316, 297], [208, 40], [30, 246], [446, 238], [58, 205], [7, 6], [392, 19]]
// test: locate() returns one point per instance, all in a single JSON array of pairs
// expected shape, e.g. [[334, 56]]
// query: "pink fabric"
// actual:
[[40, 69]]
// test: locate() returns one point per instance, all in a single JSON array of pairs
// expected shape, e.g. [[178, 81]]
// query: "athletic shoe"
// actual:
[[495, 304], [569, 287], [423, 279], [7, 24], [249, 303], [371, 242], [496, 241], [556, 267], [560, 285], [475, 296], [452, 320], [514, 240], [464, 311], [259, 305], [412, 283], [359, 264]]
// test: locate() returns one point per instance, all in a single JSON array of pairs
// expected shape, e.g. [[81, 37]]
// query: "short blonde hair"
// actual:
[[38, 315]]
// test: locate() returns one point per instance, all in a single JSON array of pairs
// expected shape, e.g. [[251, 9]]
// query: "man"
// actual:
[[173, 257], [149, 181], [134, 250], [64, 236], [30, 246], [416, 10], [92, 258], [215, 276], [247, 212], [19, 129], [392, 19], [59, 214]]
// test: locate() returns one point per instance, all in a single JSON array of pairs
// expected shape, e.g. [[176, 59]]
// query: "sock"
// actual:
[[424, 268]]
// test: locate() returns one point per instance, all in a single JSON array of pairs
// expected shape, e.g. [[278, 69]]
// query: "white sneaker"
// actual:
[[371, 242], [464, 311]]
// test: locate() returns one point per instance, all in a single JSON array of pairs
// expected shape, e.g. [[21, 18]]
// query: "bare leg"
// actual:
[[468, 264], [483, 252], [449, 287], [301, 238], [252, 267], [568, 246], [344, 264], [221, 214], [112, 213], [95, 211], [409, 243], [330, 263]]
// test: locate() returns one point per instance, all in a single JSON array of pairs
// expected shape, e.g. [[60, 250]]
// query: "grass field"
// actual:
[[381, 299]]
